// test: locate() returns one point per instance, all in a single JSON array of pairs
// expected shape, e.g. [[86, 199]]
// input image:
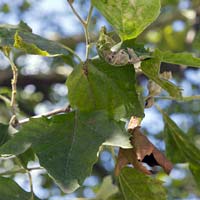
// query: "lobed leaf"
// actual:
[[137, 186], [66, 145], [151, 68], [99, 86], [11, 191], [129, 17]]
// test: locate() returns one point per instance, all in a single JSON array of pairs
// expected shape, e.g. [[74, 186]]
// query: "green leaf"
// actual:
[[151, 68], [99, 86], [21, 37], [4, 135], [178, 58], [136, 185], [9, 190], [66, 145], [129, 17], [107, 189], [179, 147], [195, 169]]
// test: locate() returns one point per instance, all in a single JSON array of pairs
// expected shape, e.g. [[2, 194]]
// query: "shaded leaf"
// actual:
[[9, 190], [4, 134], [178, 58], [99, 86], [66, 145], [128, 17], [151, 68], [137, 186], [179, 148], [195, 169], [25, 157], [21, 37]]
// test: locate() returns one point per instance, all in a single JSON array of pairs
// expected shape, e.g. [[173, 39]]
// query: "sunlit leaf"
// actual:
[[128, 17], [21, 37], [151, 68], [178, 58], [99, 86], [9, 190], [137, 186], [66, 145]]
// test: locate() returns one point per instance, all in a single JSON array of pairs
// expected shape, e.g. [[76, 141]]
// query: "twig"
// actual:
[[13, 103], [87, 35], [186, 98], [31, 185], [21, 170], [77, 15], [35, 168], [85, 24], [48, 114]]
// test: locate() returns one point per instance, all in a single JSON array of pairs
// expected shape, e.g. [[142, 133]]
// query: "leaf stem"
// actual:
[[5, 99], [48, 114], [85, 24]]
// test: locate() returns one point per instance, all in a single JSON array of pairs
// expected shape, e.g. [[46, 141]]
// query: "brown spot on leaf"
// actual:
[[143, 151]]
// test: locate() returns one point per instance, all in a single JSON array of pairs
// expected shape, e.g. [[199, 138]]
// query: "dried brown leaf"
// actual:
[[128, 156], [143, 151]]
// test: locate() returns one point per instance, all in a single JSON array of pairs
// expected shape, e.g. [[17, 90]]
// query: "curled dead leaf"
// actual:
[[143, 151]]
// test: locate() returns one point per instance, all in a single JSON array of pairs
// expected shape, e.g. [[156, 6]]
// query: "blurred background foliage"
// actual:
[[41, 83]]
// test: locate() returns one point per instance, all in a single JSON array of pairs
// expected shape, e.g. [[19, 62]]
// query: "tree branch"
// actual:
[[48, 114]]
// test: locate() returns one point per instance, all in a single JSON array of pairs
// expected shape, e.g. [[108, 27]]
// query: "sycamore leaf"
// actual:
[[9, 190], [21, 37], [66, 145], [129, 17], [99, 86], [179, 148], [143, 151], [151, 68], [137, 186], [183, 58]]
